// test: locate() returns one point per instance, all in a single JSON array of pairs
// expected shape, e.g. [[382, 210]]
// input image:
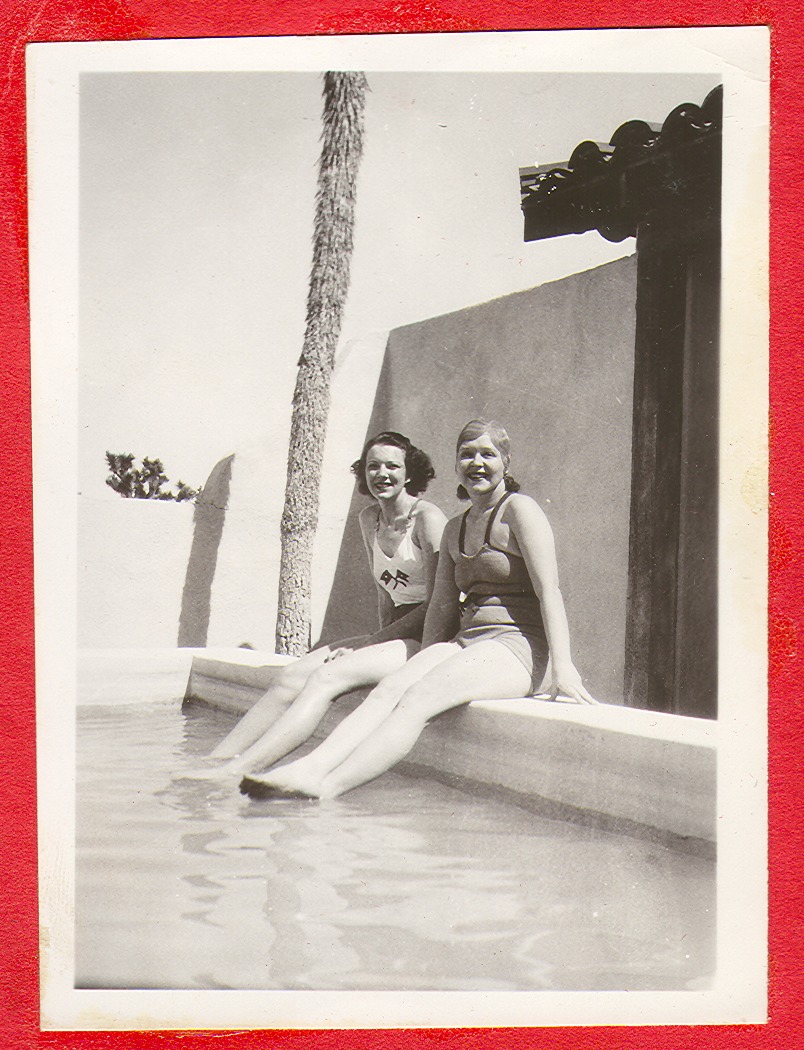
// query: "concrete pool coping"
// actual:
[[634, 767], [621, 767]]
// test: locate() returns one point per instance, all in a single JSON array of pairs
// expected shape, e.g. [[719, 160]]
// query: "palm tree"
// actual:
[[341, 150]]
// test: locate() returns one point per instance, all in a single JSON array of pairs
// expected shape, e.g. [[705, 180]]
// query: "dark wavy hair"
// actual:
[[418, 465], [476, 428]]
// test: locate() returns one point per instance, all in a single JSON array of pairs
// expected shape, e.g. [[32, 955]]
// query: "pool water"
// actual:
[[405, 884]]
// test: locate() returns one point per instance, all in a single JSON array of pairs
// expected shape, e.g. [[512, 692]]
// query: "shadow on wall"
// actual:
[[555, 366], [208, 520]]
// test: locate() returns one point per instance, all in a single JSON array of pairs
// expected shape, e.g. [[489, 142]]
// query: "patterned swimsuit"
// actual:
[[401, 576]]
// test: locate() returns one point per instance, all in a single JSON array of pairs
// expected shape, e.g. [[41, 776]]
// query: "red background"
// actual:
[[26, 21]]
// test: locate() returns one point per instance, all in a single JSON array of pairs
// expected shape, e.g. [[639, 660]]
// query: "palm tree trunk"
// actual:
[[341, 149]]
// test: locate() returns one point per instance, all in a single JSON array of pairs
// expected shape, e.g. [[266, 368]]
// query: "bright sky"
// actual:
[[197, 202]]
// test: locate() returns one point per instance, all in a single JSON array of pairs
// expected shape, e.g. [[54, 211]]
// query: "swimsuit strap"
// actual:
[[487, 537], [492, 516], [462, 534]]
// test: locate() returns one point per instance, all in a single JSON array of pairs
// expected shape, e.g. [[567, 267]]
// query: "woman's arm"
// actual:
[[367, 520], [441, 621], [385, 611], [534, 537]]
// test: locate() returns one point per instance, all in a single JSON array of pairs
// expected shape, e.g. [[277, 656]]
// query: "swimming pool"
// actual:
[[406, 884]]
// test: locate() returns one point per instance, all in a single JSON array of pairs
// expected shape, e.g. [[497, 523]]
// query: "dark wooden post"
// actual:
[[662, 185], [671, 630]]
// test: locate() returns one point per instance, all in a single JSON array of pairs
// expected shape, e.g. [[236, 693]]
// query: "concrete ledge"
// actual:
[[234, 682], [638, 767], [127, 676], [151, 675]]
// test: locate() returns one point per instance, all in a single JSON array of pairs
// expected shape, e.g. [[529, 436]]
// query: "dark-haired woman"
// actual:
[[402, 535], [495, 616]]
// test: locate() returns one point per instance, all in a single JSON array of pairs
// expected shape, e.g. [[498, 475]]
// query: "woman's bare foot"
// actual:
[[212, 769], [291, 779]]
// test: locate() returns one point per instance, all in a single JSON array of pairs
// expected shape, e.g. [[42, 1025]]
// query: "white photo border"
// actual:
[[741, 57]]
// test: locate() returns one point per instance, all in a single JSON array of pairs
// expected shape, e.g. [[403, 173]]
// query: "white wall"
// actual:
[[132, 559], [133, 553], [244, 591]]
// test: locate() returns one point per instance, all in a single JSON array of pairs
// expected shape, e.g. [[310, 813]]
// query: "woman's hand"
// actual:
[[342, 650], [567, 682], [347, 646]]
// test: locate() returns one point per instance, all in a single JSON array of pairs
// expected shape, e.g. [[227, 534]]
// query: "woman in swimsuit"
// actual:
[[402, 535], [495, 616]]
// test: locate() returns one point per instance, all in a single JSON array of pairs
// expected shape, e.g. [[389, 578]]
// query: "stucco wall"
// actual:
[[555, 366], [132, 562], [156, 573], [245, 585]]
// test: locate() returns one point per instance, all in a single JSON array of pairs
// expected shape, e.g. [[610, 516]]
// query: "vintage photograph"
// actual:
[[392, 613]]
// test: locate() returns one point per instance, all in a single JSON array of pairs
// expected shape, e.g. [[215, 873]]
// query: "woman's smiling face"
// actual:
[[386, 474], [480, 465]]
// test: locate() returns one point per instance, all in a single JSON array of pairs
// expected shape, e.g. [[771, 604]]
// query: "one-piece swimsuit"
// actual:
[[401, 576], [499, 602]]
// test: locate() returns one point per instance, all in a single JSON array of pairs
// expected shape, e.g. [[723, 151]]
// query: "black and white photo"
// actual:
[[399, 427]]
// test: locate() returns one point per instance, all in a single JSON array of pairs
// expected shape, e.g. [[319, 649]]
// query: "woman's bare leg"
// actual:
[[326, 683], [306, 774], [288, 684], [486, 671]]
